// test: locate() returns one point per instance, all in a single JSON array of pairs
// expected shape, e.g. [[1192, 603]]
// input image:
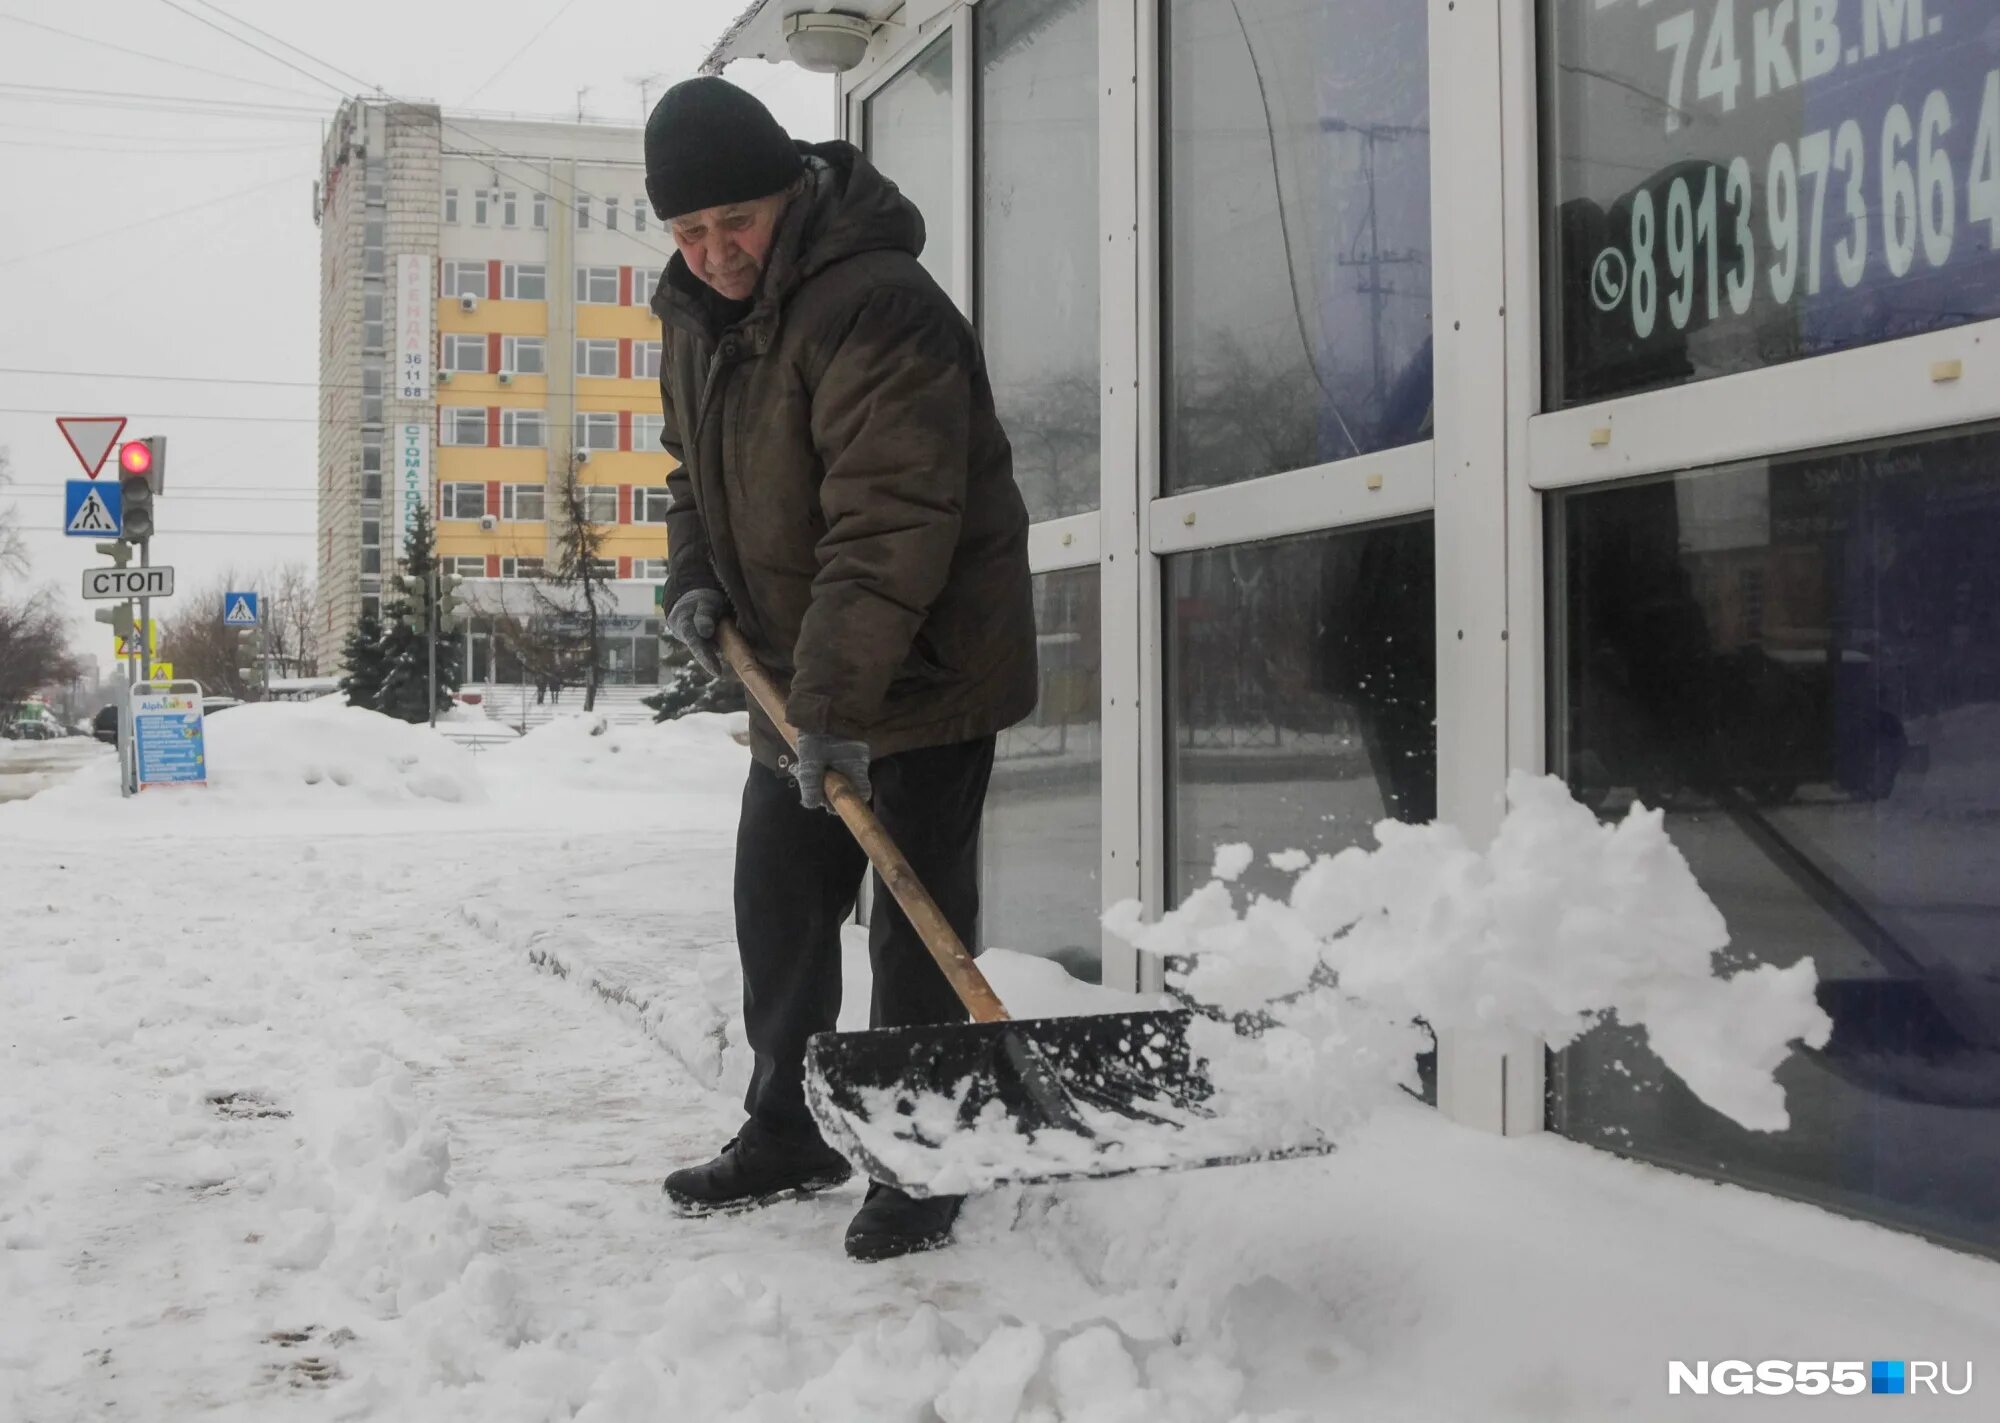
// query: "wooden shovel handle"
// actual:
[[966, 980]]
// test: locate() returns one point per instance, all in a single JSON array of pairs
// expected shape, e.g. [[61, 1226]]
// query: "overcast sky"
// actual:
[[139, 240]]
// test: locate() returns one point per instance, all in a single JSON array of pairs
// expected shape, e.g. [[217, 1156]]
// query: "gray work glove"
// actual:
[[692, 623], [820, 753]]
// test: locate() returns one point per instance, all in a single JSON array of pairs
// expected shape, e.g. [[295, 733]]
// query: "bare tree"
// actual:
[[290, 634], [34, 645], [580, 570], [200, 647], [13, 548]]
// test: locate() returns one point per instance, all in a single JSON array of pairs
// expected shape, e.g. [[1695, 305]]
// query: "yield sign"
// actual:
[[92, 437]]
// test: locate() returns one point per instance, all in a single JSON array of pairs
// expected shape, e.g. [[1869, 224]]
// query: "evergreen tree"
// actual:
[[685, 688], [365, 666], [581, 568], [405, 649]]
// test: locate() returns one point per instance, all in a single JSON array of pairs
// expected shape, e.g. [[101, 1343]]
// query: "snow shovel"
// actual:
[[947, 1108]]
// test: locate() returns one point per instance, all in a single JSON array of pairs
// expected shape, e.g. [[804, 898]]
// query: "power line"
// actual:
[[128, 227], [301, 53], [172, 415], [278, 59], [189, 103], [547, 24], [142, 54]]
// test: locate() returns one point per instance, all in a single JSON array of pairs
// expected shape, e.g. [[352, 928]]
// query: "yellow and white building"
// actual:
[[485, 329]]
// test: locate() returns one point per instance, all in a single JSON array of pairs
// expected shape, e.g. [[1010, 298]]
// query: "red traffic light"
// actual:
[[135, 457]]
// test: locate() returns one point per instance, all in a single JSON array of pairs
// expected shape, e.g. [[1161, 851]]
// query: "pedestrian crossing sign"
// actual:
[[92, 511], [239, 610]]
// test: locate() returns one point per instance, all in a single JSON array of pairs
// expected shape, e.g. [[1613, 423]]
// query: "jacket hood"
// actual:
[[847, 208]]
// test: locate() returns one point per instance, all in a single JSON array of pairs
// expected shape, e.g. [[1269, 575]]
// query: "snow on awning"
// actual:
[[758, 33]]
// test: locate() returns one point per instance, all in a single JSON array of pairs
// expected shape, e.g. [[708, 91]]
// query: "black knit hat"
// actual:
[[710, 143]]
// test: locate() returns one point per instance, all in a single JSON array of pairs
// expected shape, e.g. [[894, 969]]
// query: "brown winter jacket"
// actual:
[[844, 480]]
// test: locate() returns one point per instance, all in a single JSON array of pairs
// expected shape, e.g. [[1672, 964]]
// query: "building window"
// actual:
[[374, 331], [1038, 260], [451, 205], [371, 545], [540, 218], [524, 281], [523, 355], [371, 393], [462, 279], [509, 210], [465, 566], [1797, 661], [611, 214], [597, 285], [646, 361], [371, 560], [479, 207], [1763, 201], [523, 503], [645, 281], [600, 503], [649, 569], [371, 606], [1040, 841], [646, 431], [597, 430], [371, 247], [523, 429], [462, 425], [463, 354], [461, 501], [597, 358], [582, 211], [909, 139], [650, 504], [1301, 681], [638, 214], [371, 487], [520, 568], [1309, 183], [605, 568], [371, 451]]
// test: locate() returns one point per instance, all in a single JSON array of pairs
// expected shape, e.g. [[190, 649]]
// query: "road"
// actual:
[[30, 766]]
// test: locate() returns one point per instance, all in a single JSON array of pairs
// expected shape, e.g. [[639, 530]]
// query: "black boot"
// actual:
[[892, 1223], [755, 1170]]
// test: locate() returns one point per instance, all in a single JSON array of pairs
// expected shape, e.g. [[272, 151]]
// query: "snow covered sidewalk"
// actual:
[[346, 1092]]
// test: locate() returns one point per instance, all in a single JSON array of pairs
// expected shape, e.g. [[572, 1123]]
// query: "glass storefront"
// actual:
[[1799, 660], [1734, 186], [909, 139], [1297, 241], [1038, 283], [1041, 892], [1302, 689]]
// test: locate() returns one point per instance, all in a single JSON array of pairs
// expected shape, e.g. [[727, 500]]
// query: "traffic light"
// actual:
[[417, 593], [250, 656], [448, 605], [117, 553], [142, 469], [119, 616]]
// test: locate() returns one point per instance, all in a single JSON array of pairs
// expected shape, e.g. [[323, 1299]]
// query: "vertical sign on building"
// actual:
[[413, 381]]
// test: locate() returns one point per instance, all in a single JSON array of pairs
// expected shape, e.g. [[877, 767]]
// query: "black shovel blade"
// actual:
[[949, 1108]]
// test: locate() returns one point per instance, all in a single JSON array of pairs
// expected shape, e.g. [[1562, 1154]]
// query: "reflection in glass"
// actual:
[[1298, 234], [909, 140], [1040, 843], [1800, 661], [1737, 186], [1302, 690], [1038, 258]]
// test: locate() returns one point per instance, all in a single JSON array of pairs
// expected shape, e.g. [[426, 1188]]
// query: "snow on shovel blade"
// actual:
[[946, 1109]]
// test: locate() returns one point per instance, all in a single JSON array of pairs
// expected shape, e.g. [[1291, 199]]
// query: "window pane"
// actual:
[[1298, 235], [1040, 844], [1302, 679], [1037, 259], [1737, 186], [1799, 661], [909, 139]]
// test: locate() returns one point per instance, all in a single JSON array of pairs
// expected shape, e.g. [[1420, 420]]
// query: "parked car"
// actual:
[[31, 722]]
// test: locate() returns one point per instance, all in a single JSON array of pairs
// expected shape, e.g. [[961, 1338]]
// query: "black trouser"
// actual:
[[797, 874]]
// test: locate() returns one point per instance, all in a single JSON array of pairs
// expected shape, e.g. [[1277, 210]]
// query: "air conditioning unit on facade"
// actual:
[[506, 377], [583, 456], [444, 377], [488, 523], [468, 302]]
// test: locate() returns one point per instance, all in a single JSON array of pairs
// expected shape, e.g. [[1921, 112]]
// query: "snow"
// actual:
[[328, 1099]]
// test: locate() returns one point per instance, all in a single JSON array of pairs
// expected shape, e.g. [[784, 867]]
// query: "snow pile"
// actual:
[[293, 756], [581, 751], [1562, 922]]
